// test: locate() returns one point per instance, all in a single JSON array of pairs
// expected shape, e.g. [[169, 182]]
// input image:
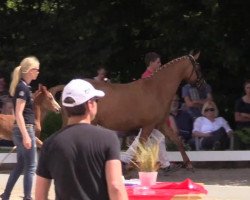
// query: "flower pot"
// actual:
[[148, 178]]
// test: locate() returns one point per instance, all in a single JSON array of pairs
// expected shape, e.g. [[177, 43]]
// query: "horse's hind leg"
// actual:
[[175, 138]]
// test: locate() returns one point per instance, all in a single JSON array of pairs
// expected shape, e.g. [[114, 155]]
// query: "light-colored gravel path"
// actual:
[[222, 184]]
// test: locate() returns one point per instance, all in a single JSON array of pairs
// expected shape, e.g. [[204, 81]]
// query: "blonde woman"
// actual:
[[213, 130], [23, 131]]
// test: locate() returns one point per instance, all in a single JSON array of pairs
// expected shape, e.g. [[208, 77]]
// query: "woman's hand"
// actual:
[[27, 142]]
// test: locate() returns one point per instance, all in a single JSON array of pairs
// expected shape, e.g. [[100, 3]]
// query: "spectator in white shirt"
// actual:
[[214, 131]]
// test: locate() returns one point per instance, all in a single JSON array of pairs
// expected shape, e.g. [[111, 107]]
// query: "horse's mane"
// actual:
[[167, 64]]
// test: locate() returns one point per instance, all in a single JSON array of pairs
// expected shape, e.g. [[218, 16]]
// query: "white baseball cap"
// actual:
[[81, 91]]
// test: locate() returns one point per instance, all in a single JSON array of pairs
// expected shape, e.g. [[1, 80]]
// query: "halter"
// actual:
[[199, 81]]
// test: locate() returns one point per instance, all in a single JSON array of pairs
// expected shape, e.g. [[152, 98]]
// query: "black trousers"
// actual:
[[219, 136]]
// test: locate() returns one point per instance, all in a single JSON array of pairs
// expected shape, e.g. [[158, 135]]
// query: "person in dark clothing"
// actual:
[[242, 108], [83, 160], [183, 120], [24, 130]]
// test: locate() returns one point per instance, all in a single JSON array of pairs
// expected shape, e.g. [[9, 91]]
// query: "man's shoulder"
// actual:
[[87, 130], [147, 73]]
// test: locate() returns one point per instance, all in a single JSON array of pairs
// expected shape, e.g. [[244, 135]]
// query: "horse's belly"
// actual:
[[6, 126]]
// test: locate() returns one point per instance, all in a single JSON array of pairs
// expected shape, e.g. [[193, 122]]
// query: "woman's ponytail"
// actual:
[[16, 76]]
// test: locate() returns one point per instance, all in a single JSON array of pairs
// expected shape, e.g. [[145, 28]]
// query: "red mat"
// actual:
[[165, 190]]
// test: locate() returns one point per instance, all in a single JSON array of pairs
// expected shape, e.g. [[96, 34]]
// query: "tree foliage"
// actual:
[[71, 37]]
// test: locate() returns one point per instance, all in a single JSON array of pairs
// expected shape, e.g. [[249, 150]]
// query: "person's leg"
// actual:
[[29, 165], [129, 154], [160, 138], [223, 138], [215, 140], [191, 143], [156, 136], [208, 142], [16, 172]]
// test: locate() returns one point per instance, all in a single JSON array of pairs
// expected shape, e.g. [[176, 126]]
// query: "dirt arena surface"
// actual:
[[222, 184]]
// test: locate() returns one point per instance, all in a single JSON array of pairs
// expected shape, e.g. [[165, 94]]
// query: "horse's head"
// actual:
[[45, 99], [195, 77]]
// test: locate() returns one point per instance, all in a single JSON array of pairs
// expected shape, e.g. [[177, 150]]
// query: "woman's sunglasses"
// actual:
[[209, 109], [35, 69]]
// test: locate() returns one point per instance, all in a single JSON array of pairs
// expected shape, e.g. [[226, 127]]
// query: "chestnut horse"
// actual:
[[145, 103], [43, 102]]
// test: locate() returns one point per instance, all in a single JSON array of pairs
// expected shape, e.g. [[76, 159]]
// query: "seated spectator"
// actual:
[[3, 91], [242, 108], [183, 121], [7, 106], [214, 131], [194, 98], [101, 74]]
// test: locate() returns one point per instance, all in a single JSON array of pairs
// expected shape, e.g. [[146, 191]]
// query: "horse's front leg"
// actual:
[[145, 133], [131, 152], [172, 135]]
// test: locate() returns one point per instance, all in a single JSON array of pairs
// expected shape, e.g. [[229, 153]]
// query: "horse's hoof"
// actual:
[[189, 167]]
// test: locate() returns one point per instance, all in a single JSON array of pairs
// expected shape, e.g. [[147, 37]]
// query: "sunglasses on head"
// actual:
[[209, 109]]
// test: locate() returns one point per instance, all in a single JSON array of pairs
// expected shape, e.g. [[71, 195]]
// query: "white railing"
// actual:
[[175, 156]]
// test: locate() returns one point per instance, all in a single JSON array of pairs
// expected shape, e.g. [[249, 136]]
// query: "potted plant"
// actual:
[[146, 160]]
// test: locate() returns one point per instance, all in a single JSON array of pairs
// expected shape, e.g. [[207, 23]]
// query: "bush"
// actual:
[[242, 137], [51, 124]]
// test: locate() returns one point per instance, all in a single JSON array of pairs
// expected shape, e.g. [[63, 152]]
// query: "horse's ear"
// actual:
[[196, 56], [191, 52], [40, 86], [44, 88]]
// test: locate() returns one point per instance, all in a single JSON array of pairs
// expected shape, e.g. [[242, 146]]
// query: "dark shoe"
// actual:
[[172, 167], [3, 198], [217, 146], [27, 198]]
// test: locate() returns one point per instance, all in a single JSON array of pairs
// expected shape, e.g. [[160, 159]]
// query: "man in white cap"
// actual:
[[83, 160]]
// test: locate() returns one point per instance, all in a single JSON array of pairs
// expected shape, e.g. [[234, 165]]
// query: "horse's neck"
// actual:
[[37, 110], [168, 78]]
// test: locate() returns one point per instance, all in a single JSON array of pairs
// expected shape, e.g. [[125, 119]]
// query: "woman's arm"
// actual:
[[241, 117], [20, 104], [200, 134], [225, 125], [197, 129]]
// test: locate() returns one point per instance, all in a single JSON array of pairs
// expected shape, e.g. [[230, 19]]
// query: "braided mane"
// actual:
[[167, 64]]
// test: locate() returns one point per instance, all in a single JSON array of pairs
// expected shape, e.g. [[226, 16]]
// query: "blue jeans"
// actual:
[[26, 162]]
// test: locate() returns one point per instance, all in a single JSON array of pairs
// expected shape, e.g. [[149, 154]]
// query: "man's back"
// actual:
[[75, 158]]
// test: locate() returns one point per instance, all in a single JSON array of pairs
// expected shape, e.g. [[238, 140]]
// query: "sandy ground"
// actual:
[[222, 184]]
